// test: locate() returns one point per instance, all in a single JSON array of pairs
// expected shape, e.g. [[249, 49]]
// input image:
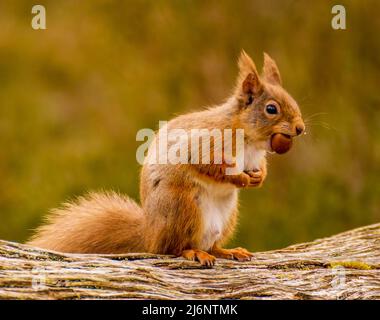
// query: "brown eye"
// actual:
[[271, 109]]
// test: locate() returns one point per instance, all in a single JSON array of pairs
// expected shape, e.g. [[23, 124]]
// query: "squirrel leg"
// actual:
[[203, 257], [239, 254]]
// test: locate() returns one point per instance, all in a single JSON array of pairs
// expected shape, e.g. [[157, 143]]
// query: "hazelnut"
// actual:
[[281, 143]]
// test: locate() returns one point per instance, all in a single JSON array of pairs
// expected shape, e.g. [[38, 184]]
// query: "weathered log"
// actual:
[[345, 266]]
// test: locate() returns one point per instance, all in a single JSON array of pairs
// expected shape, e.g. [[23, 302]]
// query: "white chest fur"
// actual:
[[217, 203], [253, 155]]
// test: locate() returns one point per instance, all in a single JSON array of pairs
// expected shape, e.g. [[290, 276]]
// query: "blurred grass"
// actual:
[[72, 98]]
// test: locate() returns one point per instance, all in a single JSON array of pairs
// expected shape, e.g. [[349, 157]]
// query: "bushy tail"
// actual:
[[96, 223]]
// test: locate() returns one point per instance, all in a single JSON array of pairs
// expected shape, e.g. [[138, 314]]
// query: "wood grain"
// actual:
[[345, 266]]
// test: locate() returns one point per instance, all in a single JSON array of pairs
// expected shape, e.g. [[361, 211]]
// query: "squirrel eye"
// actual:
[[271, 109]]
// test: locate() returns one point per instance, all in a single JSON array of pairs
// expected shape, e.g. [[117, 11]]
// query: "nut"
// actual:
[[281, 143]]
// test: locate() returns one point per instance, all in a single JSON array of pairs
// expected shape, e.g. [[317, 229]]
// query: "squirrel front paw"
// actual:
[[248, 179], [241, 180], [256, 178]]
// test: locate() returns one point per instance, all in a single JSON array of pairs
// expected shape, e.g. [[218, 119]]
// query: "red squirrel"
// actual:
[[186, 210]]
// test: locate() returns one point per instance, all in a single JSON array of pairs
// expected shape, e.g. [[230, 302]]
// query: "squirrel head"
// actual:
[[265, 107]]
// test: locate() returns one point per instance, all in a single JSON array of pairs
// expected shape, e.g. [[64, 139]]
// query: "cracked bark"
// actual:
[[344, 266]]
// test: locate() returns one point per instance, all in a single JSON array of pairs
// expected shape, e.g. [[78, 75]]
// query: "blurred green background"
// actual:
[[72, 98]]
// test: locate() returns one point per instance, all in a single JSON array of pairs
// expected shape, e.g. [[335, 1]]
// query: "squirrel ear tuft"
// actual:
[[246, 64], [270, 70], [248, 83]]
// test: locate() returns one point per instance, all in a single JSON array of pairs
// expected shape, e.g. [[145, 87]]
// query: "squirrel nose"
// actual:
[[300, 127]]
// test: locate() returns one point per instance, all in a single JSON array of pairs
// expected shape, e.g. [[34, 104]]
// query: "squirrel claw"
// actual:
[[203, 257], [239, 254]]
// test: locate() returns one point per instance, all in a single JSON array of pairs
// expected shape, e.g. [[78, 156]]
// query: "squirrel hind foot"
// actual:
[[239, 254]]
